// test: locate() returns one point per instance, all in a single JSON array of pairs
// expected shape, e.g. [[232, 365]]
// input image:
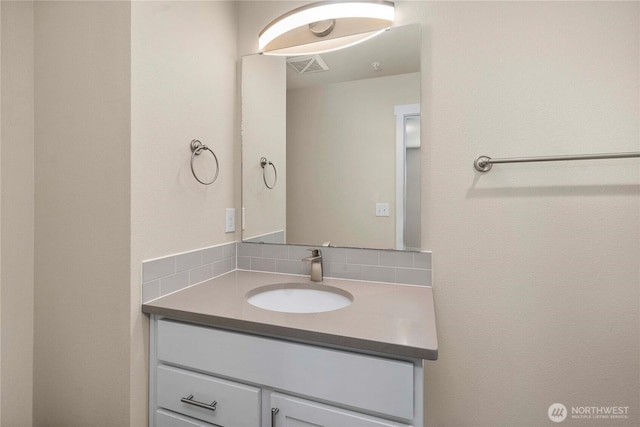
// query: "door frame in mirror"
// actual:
[[402, 112]]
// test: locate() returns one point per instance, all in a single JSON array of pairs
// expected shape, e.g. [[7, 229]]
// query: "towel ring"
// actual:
[[196, 148], [264, 162]]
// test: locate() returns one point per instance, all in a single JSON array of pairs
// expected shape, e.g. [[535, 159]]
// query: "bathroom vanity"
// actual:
[[215, 359]]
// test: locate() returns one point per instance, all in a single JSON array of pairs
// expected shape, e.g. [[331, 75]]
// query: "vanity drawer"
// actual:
[[238, 405], [375, 384], [170, 419]]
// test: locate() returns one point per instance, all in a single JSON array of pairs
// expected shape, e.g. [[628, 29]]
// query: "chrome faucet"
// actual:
[[316, 264]]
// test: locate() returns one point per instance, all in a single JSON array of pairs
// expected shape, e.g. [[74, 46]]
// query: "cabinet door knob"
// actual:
[[189, 400], [274, 411]]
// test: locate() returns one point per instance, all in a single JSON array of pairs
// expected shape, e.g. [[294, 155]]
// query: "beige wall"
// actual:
[[1, 215], [17, 230], [183, 87], [341, 149], [183, 74], [535, 266], [111, 189], [82, 214], [264, 110]]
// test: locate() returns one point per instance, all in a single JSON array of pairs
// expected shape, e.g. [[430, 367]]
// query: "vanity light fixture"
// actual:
[[325, 26]]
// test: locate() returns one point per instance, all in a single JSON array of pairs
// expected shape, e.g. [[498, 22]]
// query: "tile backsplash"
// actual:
[[162, 276], [413, 268]]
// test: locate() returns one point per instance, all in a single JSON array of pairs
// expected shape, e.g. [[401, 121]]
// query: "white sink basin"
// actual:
[[299, 298]]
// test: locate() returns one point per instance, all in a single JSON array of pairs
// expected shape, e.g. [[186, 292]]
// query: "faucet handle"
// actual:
[[315, 252]]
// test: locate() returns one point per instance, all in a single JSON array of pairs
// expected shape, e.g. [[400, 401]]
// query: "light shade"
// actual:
[[355, 21]]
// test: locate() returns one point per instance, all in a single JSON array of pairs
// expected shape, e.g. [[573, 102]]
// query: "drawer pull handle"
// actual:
[[274, 411], [189, 399]]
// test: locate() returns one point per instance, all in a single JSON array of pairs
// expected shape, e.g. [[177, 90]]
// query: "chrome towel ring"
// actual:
[[264, 162], [198, 147]]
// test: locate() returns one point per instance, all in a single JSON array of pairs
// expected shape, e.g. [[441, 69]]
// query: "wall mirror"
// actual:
[[337, 138]]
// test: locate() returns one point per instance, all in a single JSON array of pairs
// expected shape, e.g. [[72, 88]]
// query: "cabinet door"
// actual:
[[294, 412]]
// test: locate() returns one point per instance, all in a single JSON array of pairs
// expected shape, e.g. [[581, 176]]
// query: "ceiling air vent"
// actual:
[[307, 64]]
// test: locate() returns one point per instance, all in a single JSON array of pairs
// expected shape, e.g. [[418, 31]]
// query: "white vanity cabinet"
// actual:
[[193, 366]]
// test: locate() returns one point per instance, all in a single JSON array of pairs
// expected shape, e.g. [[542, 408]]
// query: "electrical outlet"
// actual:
[[382, 209], [230, 222]]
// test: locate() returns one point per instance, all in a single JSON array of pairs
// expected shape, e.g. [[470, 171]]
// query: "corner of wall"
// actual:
[[16, 213]]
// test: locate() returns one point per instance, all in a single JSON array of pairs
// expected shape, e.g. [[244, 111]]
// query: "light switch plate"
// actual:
[[382, 209], [230, 222]]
